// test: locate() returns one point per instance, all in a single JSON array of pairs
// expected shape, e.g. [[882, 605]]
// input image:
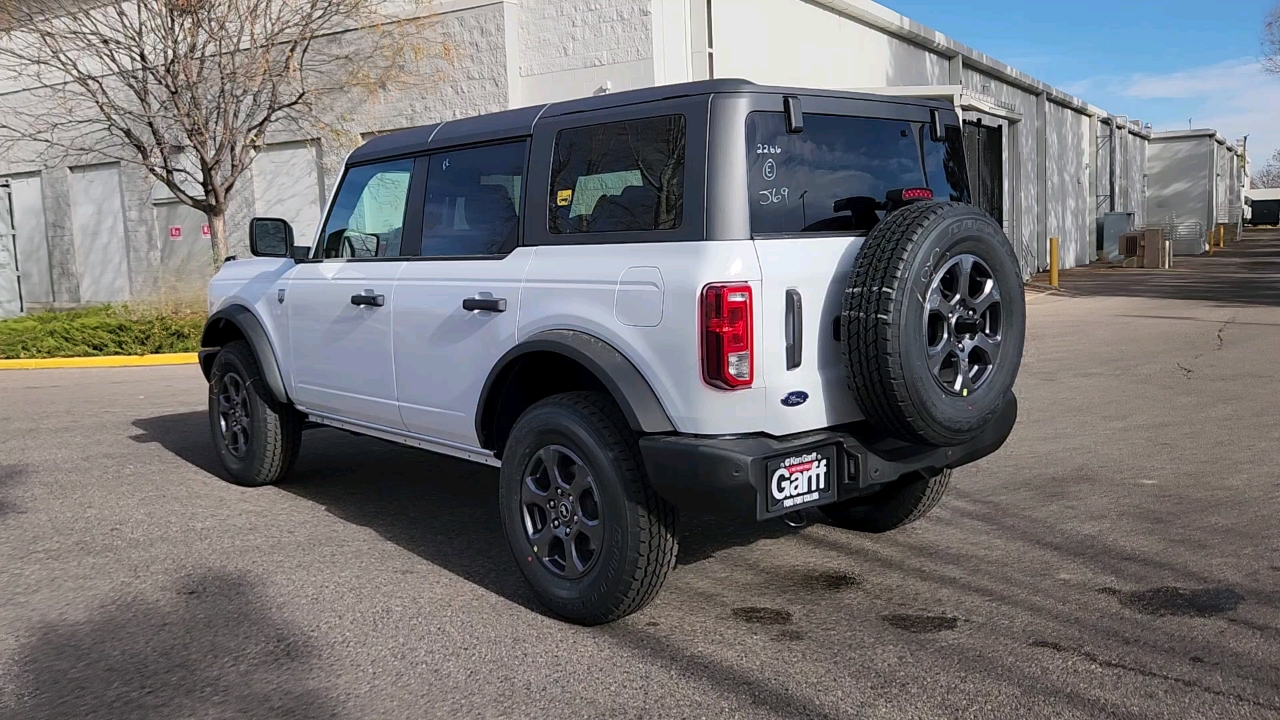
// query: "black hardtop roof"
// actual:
[[520, 122]]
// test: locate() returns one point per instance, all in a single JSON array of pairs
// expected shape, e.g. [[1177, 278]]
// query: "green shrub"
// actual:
[[102, 330]]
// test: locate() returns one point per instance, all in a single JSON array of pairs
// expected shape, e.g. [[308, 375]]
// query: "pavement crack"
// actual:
[[1103, 662], [1220, 339], [1186, 371]]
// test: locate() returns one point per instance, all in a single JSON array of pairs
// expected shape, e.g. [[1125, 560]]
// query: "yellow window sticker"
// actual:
[[564, 197]]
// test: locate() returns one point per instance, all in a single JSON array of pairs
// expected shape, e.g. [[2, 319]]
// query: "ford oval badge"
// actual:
[[794, 398]]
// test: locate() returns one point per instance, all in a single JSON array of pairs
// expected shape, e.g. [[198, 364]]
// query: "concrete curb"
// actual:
[[100, 362]]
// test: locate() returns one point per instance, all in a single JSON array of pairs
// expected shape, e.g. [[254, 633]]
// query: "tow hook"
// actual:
[[796, 519]]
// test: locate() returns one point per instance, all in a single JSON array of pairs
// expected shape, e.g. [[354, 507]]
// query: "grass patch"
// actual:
[[103, 330]]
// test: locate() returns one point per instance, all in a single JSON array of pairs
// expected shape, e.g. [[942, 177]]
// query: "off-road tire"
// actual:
[[884, 324], [639, 526], [898, 503], [275, 428]]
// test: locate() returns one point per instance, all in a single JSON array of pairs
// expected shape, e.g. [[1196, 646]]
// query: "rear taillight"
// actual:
[[726, 336], [917, 194]]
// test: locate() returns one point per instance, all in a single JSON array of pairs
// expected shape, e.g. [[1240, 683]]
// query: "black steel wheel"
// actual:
[[591, 536], [256, 436]]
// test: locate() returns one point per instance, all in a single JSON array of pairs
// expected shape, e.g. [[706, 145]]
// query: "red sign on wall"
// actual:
[[204, 231], [175, 232]]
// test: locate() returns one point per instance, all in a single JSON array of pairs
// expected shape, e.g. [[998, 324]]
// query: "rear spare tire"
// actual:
[[933, 323]]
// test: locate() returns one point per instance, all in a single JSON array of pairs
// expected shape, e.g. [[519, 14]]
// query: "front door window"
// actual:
[[367, 219]]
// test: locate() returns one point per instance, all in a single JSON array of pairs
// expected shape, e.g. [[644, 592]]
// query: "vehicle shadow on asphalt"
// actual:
[[208, 644], [441, 509]]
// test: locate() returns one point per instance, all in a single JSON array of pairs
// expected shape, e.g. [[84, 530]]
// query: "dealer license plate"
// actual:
[[800, 479]]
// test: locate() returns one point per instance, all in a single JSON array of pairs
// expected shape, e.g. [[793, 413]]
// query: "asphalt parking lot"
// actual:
[[1120, 557]]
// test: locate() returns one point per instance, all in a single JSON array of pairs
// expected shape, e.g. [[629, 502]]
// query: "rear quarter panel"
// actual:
[[575, 287]]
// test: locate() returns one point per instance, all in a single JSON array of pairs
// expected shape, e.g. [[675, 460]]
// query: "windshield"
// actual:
[[798, 181]]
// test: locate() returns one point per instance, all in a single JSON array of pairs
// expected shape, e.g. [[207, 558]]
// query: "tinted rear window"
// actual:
[[617, 177], [796, 180]]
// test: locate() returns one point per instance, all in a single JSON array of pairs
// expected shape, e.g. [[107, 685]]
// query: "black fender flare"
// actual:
[[251, 328], [639, 403]]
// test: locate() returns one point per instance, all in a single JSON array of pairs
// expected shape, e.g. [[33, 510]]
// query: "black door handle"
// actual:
[[491, 304], [369, 298]]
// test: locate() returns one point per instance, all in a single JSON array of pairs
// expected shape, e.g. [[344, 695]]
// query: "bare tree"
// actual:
[[1269, 175], [1271, 41], [188, 89]]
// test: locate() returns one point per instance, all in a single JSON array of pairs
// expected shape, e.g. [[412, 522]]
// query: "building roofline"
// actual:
[[881, 17], [1217, 137]]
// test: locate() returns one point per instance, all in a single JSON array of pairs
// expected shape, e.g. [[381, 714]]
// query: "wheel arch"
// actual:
[[237, 322], [577, 361]]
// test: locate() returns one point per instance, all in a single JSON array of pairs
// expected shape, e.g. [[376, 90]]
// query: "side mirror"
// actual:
[[270, 237]]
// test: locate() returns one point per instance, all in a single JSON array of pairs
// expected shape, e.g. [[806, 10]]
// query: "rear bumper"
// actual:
[[727, 475]]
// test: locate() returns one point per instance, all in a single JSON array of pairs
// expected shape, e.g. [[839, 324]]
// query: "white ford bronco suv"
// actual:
[[709, 297]]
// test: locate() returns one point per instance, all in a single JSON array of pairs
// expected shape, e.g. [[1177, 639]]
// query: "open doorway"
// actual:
[[984, 149]]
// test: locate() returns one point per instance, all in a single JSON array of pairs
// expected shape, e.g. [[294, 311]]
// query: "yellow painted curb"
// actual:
[[100, 362]]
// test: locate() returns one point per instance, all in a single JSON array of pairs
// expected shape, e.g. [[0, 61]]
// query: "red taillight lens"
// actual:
[[726, 336], [917, 194]]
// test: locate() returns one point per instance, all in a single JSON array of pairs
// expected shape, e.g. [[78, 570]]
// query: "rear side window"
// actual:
[[618, 177], [367, 219], [473, 201], [834, 176]]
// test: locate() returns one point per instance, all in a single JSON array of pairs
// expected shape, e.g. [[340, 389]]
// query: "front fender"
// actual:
[[218, 330]]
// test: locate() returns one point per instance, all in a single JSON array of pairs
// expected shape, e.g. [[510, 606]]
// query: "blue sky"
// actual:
[[1161, 61]]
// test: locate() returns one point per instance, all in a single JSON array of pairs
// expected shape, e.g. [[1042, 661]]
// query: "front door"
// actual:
[[457, 305], [341, 302]]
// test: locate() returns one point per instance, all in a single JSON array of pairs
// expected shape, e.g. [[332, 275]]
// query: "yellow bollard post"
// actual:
[[1222, 236], [1212, 245], [1053, 261]]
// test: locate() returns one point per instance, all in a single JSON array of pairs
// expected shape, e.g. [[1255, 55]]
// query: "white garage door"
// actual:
[[286, 184], [186, 254], [97, 222], [10, 295], [33, 245]]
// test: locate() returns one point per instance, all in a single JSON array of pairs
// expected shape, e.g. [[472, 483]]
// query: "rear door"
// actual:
[[457, 302], [814, 196], [341, 302]]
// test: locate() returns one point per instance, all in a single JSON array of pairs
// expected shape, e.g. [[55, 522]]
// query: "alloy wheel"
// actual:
[[233, 414], [963, 325], [561, 512]]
